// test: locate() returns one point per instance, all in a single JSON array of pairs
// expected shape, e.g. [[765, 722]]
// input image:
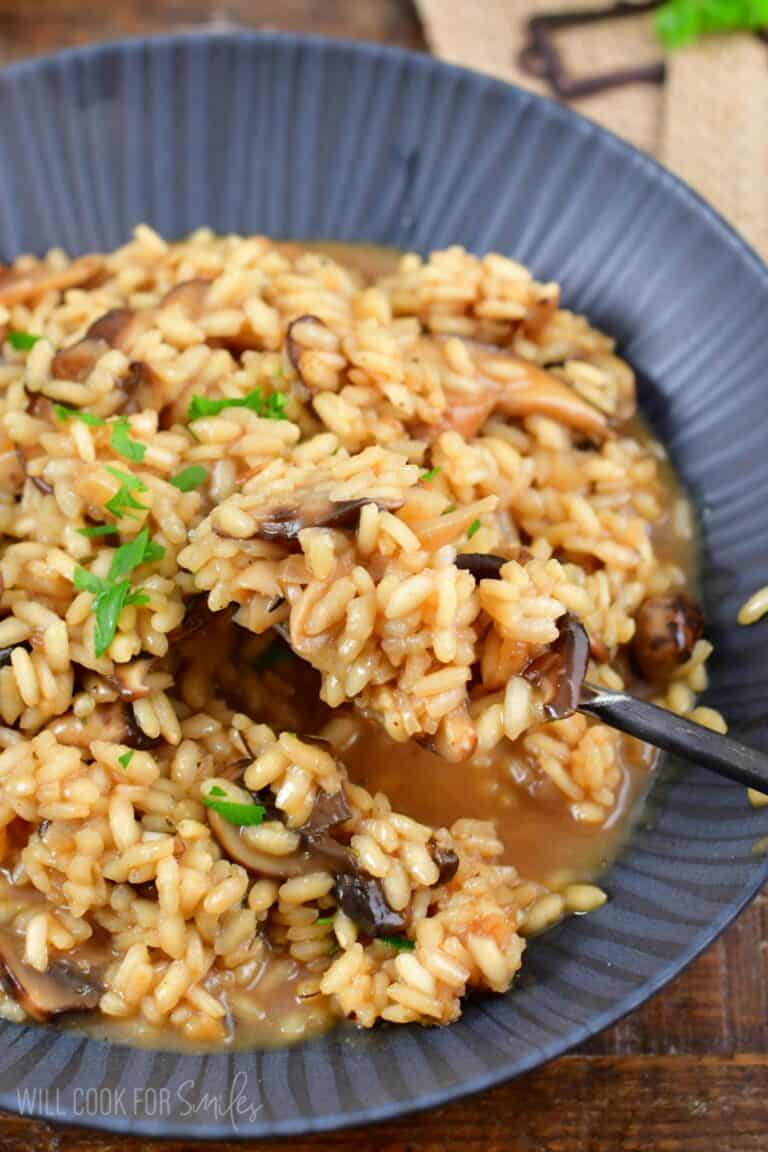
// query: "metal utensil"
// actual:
[[673, 733]]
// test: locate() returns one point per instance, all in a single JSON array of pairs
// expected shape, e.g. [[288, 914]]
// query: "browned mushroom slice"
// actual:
[[667, 628], [114, 723], [287, 521], [456, 738], [130, 680], [64, 987], [446, 859], [294, 350], [13, 468], [19, 285], [189, 295], [112, 330], [482, 565], [361, 898], [560, 671], [536, 392]]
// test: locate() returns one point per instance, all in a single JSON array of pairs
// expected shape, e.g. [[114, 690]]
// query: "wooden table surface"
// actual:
[[688, 1072]]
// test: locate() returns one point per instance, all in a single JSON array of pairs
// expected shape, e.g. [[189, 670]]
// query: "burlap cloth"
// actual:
[[708, 121]]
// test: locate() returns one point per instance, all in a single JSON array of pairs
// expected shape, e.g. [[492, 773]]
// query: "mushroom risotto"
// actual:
[[290, 537]]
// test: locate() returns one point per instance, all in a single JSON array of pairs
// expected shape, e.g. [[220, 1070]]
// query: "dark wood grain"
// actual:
[[688, 1072]]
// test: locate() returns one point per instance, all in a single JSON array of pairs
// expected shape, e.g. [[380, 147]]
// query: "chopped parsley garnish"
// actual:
[[189, 478], [473, 529], [123, 502], [679, 22], [324, 920], [112, 594], [140, 550], [244, 815], [125, 759], [450, 508], [431, 474], [122, 443], [22, 341], [64, 413], [98, 530], [216, 791], [400, 943], [270, 407]]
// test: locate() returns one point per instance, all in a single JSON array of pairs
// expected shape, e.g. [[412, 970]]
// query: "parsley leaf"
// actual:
[[270, 407], [108, 602], [450, 508], [473, 529], [216, 791], [114, 593], [140, 550], [64, 413], [122, 443], [399, 943], [123, 502], [189, 478], [130, 482], [679, 22], [431, 474], [244, 815], [324, 920], [125, 759], [22, 341], [98, 530]]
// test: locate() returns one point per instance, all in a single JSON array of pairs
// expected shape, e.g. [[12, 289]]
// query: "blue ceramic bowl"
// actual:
[[308, 139]]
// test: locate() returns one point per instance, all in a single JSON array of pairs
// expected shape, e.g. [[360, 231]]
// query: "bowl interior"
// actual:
[[313, 139]]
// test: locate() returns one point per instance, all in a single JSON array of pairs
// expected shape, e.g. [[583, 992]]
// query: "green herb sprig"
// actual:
[[124, 503], [473, 529], [270, 407], [189, 478], [22, 341], [113, 593], [430, 475], [65, 413], [234, 812], [122, 443], [399, 943], [680, 22]]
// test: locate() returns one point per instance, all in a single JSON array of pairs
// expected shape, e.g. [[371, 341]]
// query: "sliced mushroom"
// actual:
[[114, 723], [667, 628], [64, 987], [197, 615], [189, 295], [446, 859], [6, 653], [537, 392], [287, 521], [19, 285], [560, 672], [361, 897], [317, 848], [130, 680], [13, 468], [115, 329], [293, 349], [456, 738], [482, 565]]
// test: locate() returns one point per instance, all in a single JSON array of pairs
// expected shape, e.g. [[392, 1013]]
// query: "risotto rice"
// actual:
[[261, 513]]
